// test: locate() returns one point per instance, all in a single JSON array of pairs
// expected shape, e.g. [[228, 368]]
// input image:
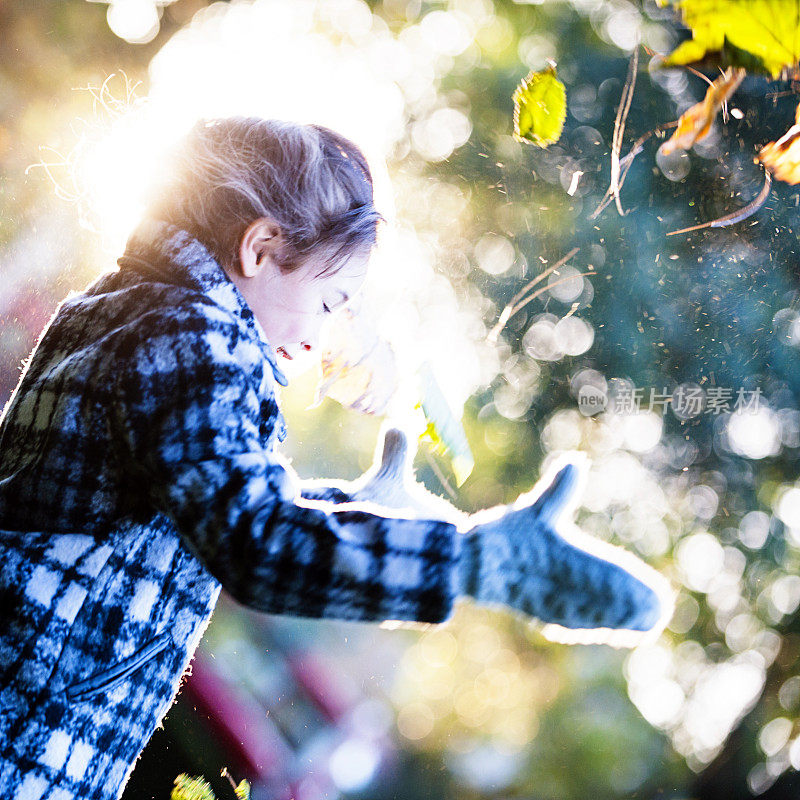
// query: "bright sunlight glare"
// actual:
[[337, 65]]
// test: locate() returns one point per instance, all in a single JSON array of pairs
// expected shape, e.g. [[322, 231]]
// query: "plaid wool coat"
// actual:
[[137, 475]]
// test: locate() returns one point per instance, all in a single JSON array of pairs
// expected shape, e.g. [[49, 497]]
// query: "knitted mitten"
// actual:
[[521, 561]]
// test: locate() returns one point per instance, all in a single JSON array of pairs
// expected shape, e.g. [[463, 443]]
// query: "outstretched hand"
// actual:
[[521, 560], [521, 556]]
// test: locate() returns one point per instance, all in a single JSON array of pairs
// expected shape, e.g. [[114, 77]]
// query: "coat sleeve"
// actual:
[[193, 414], [329, 493]]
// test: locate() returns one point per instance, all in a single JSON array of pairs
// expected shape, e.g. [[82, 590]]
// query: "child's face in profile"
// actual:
[[292, 307]]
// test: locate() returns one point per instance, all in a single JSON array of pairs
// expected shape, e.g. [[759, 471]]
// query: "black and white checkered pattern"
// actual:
[[137, 474]]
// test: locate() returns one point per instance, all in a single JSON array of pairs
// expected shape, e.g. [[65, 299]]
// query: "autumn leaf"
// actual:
[[443, 430], [540, 108], [695, 124], [359, 368], [757, 35], [782, 158]]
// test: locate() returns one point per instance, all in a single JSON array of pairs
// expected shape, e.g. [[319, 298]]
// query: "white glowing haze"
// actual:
[[335, 64]]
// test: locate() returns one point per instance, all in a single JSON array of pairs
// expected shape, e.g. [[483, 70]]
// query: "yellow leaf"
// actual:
[[759, 35], [540, 108]]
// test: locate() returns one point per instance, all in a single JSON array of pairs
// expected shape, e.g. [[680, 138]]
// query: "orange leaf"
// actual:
[[359, 368], [782, 158], [695, 123]]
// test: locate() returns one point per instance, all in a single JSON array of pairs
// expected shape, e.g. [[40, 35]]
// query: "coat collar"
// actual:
[[163, 251]]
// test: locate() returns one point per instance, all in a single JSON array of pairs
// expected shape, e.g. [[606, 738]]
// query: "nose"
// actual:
[[311, 342], [313, 335]]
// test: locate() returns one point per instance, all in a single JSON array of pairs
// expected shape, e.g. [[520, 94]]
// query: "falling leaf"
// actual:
[[782, 158], [540, 108], [758, 35], [359, 368], [695, 124], [443, 429]]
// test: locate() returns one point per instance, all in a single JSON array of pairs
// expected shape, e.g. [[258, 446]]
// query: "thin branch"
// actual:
[[572, 310], [619, 127], [549, 286], [512, 307], [509, 311], [61, 190], [700, 75], [541, 276], [626, 164], [226, 774], [734, 216]]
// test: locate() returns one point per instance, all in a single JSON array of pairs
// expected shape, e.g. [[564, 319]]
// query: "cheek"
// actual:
[[292, 312], [296, 328], [299, 325], [282, 326]]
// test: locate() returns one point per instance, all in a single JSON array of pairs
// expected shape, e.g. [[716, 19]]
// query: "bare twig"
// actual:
[[511, 306], [519, 301], [540, 277], [619, 127], [226, 774], [734, 216], [700, 75], [66, 172], [626, 163], [62, 191]]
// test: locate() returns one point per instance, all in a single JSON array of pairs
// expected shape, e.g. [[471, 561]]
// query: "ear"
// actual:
[[259, 243]]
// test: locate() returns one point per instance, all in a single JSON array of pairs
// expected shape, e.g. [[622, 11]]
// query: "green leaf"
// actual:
[[187, 788], [759, 35], [540, 108]]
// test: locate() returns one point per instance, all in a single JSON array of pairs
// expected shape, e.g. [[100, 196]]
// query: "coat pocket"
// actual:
[[108, 678]]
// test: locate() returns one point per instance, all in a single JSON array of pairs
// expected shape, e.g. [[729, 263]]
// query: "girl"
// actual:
[[138, 473]]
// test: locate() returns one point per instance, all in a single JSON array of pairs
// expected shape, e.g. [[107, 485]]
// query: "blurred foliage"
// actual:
[[707, 494], [187, 788], [759, 35]]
